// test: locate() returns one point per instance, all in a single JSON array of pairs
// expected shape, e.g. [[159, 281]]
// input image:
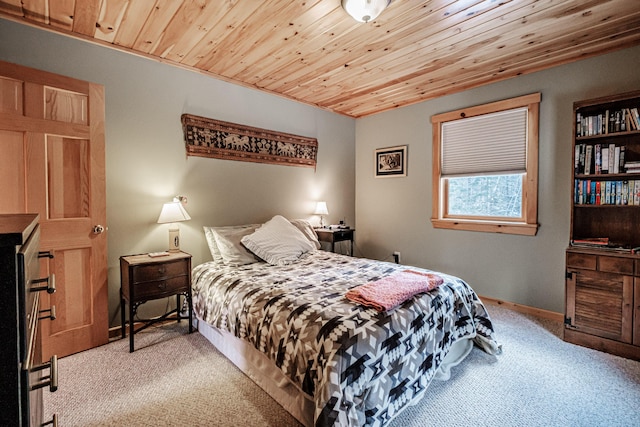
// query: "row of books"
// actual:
[[591, 192], [601, 159], [609, 121]]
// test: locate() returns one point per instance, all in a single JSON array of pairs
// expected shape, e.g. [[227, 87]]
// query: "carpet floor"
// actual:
[[179, 379]]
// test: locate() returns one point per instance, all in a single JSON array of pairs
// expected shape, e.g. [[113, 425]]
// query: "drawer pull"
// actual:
[[50, 287], [45, 254], [52, 379], [51, 311], [53, 422]]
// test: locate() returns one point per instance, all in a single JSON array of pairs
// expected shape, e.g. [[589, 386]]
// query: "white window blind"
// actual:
[[490, 143]]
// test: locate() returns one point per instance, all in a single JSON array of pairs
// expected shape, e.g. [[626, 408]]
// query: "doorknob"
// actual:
[[98, 229]]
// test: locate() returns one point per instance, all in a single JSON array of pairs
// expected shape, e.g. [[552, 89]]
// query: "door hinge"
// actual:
[[569, 275], [568, 322]]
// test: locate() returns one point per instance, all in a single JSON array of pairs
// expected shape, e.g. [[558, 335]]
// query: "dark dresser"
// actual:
[[24, 376]]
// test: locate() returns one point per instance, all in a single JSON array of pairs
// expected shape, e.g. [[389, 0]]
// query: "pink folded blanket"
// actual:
[[391, 291]]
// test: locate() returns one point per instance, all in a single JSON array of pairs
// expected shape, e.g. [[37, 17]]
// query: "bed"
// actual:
[[286, 322]]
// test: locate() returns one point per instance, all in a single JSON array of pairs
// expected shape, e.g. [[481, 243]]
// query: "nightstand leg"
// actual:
[[178, 308], [190, 311], [122, 316], [131, 328]]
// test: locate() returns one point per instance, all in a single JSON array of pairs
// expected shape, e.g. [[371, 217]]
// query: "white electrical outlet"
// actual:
[[396, 256]]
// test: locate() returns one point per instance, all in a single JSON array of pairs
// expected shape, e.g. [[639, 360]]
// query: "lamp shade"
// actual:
[[173, 212], [321, 209], [365, 10]]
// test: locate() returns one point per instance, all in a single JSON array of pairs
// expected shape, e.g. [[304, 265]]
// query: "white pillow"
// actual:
[[231, 250], [216, 255], [308, 231], [278, 242]]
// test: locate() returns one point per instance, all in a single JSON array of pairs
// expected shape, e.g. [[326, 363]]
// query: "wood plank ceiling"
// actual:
[[313, 52]]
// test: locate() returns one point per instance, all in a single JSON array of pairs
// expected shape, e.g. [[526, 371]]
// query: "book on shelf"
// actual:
[[605, 160], [616, 160], [612, 160], [587, 160], [636, 115], [632, 167], [597, 241]]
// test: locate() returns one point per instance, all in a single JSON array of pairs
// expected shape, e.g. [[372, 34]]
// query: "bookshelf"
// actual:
[[602, 306]]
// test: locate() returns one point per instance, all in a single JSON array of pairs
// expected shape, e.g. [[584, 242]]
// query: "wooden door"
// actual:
[[52, 163]]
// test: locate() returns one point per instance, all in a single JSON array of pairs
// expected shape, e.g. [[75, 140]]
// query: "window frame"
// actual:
[[528, 224]]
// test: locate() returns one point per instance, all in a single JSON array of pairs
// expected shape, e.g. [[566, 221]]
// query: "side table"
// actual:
[[336, 235], [144, 278]]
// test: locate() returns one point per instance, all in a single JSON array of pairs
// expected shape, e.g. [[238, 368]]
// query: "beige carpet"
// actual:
[[177, 379]]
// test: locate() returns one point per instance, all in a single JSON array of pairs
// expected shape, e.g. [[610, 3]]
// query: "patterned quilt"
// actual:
[[361, 366]]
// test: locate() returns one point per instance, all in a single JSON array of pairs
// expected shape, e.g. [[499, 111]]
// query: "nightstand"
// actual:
[[336, 235], [144, 278]]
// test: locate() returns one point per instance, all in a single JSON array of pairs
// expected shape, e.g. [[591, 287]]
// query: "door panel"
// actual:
[[72, 267], [10, 96], [12, 171], [52, 130], [68, 177], [601, 304], [65, 106]]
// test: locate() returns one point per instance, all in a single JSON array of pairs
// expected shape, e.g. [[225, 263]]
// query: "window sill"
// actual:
[[487, 226]]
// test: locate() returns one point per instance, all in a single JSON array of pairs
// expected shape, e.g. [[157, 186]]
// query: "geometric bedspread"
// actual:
[[360, 366]]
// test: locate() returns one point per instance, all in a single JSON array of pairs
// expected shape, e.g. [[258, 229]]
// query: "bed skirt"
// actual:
[[263, 372]]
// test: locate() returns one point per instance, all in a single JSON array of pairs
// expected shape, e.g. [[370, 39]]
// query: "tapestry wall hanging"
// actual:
[[222, 140]]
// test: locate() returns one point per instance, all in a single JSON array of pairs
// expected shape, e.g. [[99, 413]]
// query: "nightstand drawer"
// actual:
[[146, 273], [342, 235], [161, 288]]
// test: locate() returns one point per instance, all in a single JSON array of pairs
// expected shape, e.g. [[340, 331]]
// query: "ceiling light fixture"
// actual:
[[365, 10]]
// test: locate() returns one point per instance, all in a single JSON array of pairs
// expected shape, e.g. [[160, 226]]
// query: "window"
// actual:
[[485, 167]]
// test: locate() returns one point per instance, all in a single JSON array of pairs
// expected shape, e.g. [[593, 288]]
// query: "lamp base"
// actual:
[[174, 240]]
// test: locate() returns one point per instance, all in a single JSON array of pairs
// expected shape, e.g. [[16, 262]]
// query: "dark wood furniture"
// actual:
[[145, 278], [24, 376], [333, 236], [602, 307]]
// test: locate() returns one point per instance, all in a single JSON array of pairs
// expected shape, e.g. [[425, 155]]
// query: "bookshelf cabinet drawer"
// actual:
[[584, 261], [615, 265]]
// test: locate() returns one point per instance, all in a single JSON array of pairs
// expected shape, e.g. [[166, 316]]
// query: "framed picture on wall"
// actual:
[[391, 161]]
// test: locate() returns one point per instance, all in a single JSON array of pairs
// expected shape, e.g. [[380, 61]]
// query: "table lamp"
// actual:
[[321, 209], [173, 213]]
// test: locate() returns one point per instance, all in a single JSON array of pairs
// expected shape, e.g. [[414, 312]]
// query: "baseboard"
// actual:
[[546, 314]]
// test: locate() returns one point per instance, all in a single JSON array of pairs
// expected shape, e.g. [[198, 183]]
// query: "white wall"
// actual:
[[145, 153], [394, 213]]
